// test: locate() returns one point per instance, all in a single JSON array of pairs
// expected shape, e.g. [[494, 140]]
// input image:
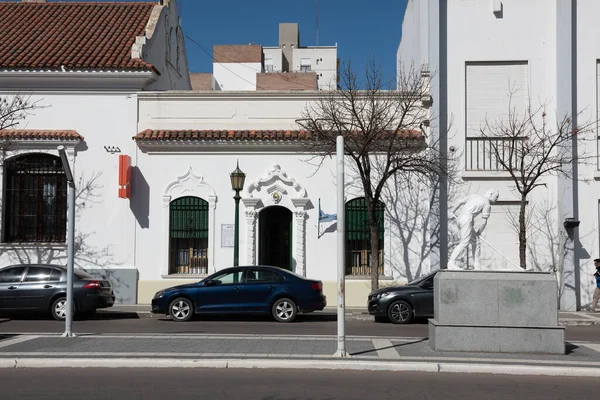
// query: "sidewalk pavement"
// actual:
[[566, 318], [280, 351]]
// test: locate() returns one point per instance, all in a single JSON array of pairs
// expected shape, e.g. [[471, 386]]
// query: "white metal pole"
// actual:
[[69, 306], [70, 255], [341, 251]]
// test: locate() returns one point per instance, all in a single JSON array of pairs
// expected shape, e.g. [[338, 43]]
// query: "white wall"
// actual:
[[276, 55], [103, 119], [165, 49], [531, 32], [212, 161], [235, 76]]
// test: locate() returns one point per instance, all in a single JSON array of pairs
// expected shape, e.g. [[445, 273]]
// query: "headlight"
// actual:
[[160, 294], [382, 295]]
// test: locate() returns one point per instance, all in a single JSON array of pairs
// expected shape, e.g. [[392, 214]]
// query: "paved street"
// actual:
[[150, 384], [312, 324]]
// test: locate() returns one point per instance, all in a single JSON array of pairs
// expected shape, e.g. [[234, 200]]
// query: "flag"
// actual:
[[325, 217]]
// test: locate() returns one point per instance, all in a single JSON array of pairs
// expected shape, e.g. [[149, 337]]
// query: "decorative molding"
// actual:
[[274, 175], [251, 236], [292, 196], [189, 184]]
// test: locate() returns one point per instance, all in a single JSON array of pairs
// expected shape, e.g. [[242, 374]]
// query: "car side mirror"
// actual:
[[210, 283], [426, 285]]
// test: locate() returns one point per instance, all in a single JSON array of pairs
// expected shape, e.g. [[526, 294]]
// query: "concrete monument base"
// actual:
[[496, 312]]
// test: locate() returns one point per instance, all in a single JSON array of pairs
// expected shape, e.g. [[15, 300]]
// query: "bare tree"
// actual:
[[530, 148], [14, 109], [384, 130]]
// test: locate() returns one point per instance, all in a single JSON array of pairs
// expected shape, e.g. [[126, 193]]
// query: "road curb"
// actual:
[[323, 364], [349, 317]]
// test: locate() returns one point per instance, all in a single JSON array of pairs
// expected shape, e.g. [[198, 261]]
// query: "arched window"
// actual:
[[35, 195], [188, 236], [358, 240]]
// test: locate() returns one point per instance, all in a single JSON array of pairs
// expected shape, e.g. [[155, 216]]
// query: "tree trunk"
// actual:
[[522, 234], [374, 239]]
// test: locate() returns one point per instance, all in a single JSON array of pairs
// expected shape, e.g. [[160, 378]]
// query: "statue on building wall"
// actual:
[[471, 206]]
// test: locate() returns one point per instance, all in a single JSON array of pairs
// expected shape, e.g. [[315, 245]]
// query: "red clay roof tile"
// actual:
[[150, 135], [73, 35], [39, 134]]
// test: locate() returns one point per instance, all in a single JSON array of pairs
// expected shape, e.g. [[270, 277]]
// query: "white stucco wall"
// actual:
[[165, 49], [276, 55], [106, 222], [211, 164], [536, 32], [235, 76]]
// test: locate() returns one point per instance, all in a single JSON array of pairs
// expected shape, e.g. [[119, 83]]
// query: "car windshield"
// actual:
[[422, 278]]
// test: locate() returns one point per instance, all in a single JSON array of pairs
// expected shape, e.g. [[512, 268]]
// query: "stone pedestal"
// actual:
[[496, 312]]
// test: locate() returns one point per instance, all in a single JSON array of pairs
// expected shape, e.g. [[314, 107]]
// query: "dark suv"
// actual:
[[44, 287]]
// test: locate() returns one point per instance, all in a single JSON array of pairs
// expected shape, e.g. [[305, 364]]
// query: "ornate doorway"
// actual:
[[275, 237]]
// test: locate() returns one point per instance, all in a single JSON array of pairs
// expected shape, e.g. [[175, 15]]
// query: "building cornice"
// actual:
[[98, 80]]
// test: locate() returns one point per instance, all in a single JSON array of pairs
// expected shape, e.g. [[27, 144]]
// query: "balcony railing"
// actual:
[[480, 156]]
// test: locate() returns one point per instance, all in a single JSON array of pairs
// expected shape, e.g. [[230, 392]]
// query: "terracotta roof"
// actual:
[[240, 135], [34, 134], [74, 35]]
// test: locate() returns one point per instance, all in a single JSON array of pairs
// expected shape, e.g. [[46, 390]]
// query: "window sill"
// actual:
[[184, 276], [473, 175], [596, 175], [33, 246], [367, 277]]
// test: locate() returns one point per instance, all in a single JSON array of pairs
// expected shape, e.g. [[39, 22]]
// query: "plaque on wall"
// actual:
[[227, 235]]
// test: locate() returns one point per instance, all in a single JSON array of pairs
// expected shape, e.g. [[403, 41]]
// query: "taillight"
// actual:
[[317, 286], [92, 285]]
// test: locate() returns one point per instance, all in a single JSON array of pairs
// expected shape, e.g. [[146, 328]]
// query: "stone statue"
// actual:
[[472, 206]]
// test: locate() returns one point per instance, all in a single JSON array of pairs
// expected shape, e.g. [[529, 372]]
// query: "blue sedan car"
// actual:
[[243, 290]]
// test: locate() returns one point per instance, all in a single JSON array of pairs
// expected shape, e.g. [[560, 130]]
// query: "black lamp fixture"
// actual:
[[237, 184], [237, 179], [571, 223]]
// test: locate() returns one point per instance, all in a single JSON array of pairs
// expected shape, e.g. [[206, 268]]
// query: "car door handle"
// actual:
[[271, 287], [12, 287], [236, 288], [47, 286]]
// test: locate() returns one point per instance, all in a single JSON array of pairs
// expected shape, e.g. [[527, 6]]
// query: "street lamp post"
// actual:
[[70, 240], [237, 184]]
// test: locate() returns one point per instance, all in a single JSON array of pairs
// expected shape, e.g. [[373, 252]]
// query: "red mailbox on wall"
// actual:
[[124, 176]]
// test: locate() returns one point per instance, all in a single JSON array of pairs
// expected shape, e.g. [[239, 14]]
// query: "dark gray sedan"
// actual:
[[401, 304], [44, 287]]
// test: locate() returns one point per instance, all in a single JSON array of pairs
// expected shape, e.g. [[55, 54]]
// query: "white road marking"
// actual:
[[385, 349], [18, 339]]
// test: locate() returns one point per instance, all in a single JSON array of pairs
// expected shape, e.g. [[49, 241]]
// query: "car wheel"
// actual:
[[400, 312], [284, 310], [381, 318], [181, 309], [59, 309]]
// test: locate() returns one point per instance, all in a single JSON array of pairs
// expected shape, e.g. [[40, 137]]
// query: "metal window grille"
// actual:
[[358, 243], [188, 233], [36, 199]]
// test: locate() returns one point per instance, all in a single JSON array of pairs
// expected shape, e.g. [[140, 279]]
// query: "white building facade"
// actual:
[[188, 144], [536, 52], [87, 102]]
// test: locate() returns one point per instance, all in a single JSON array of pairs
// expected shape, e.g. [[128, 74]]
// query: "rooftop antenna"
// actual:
[[317, 22]]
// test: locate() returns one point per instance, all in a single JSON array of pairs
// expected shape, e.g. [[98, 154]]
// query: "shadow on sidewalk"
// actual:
[[396, 346]]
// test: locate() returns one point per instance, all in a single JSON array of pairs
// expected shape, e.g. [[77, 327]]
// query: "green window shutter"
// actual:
[[189, 218]]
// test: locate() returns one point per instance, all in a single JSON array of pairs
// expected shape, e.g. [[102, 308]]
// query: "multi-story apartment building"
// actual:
[[288, 66]]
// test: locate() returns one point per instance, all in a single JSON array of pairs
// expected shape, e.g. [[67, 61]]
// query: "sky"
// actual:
[[361, 28]]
